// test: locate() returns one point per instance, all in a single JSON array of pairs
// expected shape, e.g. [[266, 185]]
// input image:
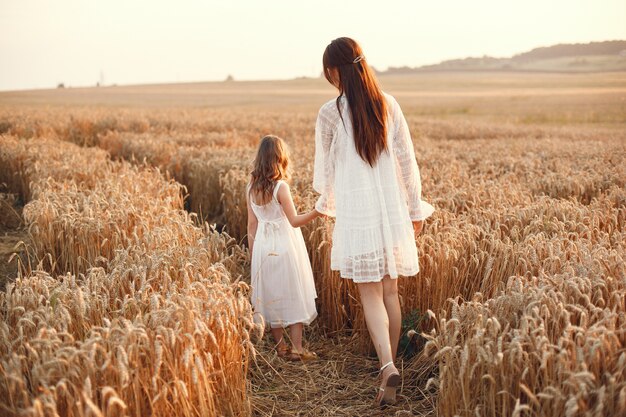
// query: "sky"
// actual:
[[81, 42]]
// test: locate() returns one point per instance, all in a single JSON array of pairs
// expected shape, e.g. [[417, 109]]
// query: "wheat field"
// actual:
[[133, 296]]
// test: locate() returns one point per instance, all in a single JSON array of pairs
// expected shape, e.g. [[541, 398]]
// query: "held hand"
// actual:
[[417, 227]]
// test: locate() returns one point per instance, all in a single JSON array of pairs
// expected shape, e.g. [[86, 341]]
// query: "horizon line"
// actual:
[[300, 77]]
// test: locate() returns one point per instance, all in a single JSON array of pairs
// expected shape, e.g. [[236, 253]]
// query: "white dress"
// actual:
[[373, 206], [283, 290]]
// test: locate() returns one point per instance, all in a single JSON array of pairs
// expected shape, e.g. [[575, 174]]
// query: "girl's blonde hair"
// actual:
[[270, 165]]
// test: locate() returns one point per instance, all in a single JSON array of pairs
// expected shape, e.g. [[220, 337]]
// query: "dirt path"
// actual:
[[342, 382], [13, 238]]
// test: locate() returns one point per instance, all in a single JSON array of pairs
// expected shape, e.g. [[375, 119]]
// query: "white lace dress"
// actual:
[[373, 206], [283, 290]]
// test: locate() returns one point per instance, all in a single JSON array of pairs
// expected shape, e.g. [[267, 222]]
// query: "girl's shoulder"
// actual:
[[279, 186]]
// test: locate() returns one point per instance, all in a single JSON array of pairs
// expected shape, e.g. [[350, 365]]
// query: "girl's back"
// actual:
[[271, 210]]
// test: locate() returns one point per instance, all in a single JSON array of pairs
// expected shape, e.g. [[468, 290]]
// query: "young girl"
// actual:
[[283, 291]]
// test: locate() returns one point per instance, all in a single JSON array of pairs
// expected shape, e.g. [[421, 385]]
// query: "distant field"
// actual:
[[597, 98]]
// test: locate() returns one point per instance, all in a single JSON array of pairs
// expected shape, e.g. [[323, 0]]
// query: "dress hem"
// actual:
[[289, 323], [364, 281]]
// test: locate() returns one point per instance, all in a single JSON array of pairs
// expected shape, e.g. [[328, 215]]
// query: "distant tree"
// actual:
[[229, 78], [60, 85]]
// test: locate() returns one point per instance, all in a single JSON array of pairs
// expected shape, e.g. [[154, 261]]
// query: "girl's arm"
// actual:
[[295, 219], [253, 222]]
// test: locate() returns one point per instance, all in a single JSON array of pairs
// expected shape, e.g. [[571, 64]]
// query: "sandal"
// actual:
[[305, 355], [387, 391], [283, 351]]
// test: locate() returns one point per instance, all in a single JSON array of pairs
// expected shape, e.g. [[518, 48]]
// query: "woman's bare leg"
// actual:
[[277, 334], [392, 305], [376, 318], [295, 333]]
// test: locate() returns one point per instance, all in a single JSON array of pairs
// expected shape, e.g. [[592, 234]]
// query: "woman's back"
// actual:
[[374, 205], [353, 173]]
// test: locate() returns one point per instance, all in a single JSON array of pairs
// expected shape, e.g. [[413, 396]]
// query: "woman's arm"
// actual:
[[410, 180], [285, 200], [324, 166], [253, 223]]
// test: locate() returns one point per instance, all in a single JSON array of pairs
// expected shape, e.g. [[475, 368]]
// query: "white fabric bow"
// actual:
[[270, 229]]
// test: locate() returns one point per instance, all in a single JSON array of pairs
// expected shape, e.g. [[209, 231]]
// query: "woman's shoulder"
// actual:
[[329, 111], [329, 107], [329, 104], [391, 100], [393, 108]]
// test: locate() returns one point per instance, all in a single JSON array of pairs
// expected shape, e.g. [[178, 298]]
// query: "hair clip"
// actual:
[[358, 59]]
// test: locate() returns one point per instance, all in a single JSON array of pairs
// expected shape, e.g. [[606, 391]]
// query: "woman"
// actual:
[[367, 177]]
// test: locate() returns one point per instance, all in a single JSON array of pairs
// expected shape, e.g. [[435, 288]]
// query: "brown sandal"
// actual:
[[283, 351], [387, 391], [305, 355]]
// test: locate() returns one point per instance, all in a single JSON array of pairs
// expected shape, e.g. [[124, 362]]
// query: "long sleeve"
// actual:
[[324, 167], [409, 174]]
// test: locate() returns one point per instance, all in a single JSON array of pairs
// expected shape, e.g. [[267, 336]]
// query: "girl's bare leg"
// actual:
[[295, 333], [392, 305], [277, 334]]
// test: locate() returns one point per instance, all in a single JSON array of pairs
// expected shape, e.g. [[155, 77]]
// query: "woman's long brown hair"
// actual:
[[367, 104], [270, 165]]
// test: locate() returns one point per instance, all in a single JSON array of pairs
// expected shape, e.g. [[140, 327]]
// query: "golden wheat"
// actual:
[[112, 335], [521, 288]]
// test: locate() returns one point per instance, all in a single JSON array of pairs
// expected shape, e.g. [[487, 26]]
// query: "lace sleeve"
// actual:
[[324, 167], [409, 174]]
